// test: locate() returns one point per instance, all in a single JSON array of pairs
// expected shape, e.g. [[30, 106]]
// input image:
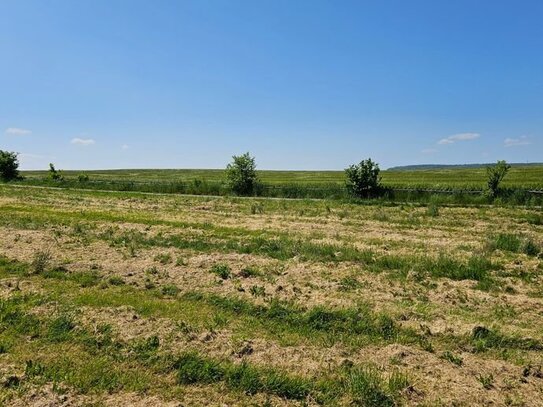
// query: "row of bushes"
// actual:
[[509, 196], [362, 181]]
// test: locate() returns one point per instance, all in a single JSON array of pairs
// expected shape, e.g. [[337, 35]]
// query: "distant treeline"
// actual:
[[421, 167]]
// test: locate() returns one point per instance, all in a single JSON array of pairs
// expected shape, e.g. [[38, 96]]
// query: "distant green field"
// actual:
[[529, 177]]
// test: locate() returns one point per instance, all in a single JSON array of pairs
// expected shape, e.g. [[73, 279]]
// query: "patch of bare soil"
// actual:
[[307, 283], [440, 381], [45, 396], [433, 377]]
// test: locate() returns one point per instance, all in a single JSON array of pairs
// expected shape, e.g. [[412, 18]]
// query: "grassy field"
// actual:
[[471, 178], [119, 298]]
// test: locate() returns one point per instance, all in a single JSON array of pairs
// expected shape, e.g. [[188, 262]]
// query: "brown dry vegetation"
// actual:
[[156, 264]]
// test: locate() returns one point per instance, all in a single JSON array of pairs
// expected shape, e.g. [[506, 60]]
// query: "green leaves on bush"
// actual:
[[9, 166], [241, 174], [363, 179]]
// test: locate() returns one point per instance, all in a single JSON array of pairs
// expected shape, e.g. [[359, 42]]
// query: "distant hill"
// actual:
[[453, 166]]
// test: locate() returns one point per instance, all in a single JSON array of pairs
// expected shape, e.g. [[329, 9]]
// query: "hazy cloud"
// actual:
[[82, 141], [459, 137], [124, 147], [521, 141], [15, 131]]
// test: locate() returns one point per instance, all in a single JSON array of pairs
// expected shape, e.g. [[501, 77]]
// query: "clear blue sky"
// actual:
[[300, 84]]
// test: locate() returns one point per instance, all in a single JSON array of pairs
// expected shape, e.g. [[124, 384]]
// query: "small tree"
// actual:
[[9, 166], [241, 174], [54, 174], [363, 179], [495, 175]]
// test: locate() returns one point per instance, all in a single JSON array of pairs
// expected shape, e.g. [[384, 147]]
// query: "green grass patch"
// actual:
[[222, 271], [365, 385], [515, 243]]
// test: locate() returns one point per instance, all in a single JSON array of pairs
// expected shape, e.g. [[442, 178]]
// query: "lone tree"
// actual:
[[241, 174], [9, 166], [495, 175], [363, 179]]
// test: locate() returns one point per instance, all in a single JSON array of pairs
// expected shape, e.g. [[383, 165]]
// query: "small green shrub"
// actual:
[[222, 270], [495, 175]]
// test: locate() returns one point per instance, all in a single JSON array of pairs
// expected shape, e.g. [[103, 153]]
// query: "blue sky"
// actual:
[[300, 84]]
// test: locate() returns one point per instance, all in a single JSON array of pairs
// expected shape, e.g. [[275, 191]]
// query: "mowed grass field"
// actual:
[[459, 178], [116, 298]]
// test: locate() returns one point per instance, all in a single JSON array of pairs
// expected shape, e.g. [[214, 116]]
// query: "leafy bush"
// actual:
[[54, 174], [83, 178], [363, 179], [241, 175], [495, 175], [9, 166]]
